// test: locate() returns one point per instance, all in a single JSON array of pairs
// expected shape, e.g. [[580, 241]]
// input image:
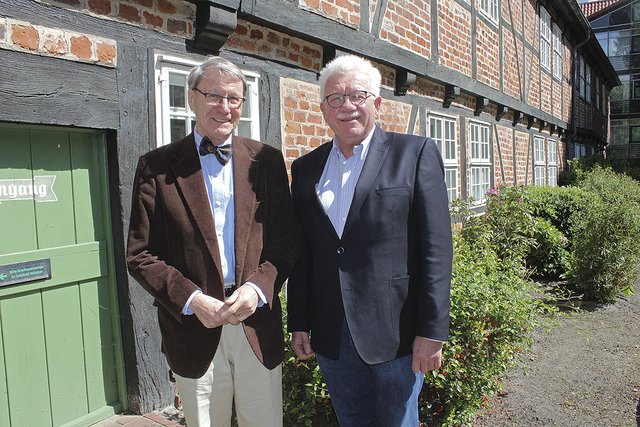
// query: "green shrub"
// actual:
[[549, 256], [492, 312]]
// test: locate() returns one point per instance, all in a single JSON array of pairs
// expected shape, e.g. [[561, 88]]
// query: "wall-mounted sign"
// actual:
[[28, 271], [40, 189]]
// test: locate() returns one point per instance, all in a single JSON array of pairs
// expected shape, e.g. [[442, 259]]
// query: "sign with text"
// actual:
[[40, 189], [28, 271]]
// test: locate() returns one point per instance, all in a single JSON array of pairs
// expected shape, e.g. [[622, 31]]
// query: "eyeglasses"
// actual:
[[215, 99], [336, 100]]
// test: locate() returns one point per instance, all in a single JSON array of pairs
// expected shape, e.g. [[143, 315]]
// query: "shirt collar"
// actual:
[[359, 151]]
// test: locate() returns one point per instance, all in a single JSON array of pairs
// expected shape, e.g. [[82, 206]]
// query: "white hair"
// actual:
[[351, 64]]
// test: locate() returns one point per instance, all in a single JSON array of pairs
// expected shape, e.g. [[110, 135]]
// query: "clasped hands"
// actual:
[[237, 308]]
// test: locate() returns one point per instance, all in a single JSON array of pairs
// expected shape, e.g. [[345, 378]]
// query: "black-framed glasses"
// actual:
[[215, 99], [336, 100]]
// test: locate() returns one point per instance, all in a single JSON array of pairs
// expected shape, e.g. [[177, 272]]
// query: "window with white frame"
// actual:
[[443, 131], [490, 9], [480, 162], [557, 52], [545, 39], [539, 165], [174, 118], [587, 81], [581, 75], [552, 161]]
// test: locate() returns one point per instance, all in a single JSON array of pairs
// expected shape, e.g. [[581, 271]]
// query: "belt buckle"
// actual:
[[228, 289]]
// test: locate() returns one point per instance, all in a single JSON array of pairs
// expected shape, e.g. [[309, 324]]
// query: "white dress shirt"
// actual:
[[337, 184]]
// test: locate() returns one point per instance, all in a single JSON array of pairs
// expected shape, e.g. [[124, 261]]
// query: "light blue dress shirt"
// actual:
[[337, 184]]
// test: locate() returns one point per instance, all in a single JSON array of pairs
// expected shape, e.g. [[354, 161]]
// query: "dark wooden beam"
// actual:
[[404, 80], [530, 120], [481, 104], [214, 24], [450, 93], [500, 112], [541, 124], [516, 117]]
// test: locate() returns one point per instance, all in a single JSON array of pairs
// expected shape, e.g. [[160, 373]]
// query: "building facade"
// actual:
[[90, 85], [615, 24]]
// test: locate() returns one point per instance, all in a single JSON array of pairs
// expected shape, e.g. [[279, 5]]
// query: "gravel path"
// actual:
[[585, 371]]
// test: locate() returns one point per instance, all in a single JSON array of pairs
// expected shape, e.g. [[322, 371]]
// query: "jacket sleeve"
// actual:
[[280, 228], [147, 245], [434, 244]]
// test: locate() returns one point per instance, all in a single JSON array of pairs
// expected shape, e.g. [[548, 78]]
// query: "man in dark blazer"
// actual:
[[213, 241], [369, 295]]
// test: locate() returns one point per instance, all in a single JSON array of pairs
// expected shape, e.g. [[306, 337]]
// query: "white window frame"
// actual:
[[166, 65], [557, 52], [490, 9], [545, 39], [446, 139], [480, 161], [539, 164], [552, 161], [587, 72]]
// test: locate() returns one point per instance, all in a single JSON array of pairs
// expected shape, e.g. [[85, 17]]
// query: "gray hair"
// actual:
[[216, 63], [351, 64]]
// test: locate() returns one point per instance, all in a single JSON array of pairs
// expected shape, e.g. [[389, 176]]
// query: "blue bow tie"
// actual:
[[222, 153]]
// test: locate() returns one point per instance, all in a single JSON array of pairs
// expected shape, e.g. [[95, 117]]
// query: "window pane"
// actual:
[[178, 129], [177, 85], [244, 129]]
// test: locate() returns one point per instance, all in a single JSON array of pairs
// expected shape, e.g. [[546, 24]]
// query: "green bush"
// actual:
[[492, 312]]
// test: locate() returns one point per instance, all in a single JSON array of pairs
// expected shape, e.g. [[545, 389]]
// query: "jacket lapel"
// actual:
[[246, 170], [378, 149], [190, 183]]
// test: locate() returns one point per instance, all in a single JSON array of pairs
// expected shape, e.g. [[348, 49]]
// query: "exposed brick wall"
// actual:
[[511, 12], [454, 37], [303, 127], [344, 11], [545, 95], [532, 81], [274, 45], [524, 173], [531, 23], [503, 149], [487, 54], [557, 108], [407, 24], [169, 16], [513, 65], [394, 116], [36, 39]]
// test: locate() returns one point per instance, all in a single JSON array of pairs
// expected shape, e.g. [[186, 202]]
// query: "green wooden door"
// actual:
[[60, 348]]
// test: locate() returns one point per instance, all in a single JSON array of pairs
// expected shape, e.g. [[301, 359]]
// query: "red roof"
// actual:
[[593, 7]]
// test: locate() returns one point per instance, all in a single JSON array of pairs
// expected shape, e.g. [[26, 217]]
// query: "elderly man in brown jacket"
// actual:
[[212, 238]]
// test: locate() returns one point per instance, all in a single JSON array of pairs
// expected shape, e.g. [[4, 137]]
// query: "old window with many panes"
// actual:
[[480, 161], [443, 130]]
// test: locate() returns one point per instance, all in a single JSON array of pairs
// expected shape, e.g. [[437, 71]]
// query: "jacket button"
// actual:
[[340, 250]]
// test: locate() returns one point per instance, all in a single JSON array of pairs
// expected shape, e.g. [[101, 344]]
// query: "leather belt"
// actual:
[[228, 289]]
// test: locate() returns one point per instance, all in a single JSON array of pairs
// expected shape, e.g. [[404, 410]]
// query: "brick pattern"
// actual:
[[524, 172], [274, 45], [36, 39], [511, 12], [394, 116], [532, 82], [556, 102], [513, 65], [487, 54], [546, 92], [344, 11], [407, 24], [303, 127], [454, 37], [531, 23], [503, 149], [174, 17]]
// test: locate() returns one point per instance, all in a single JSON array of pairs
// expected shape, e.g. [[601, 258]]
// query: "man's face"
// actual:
[[351, 123], [216, 121]]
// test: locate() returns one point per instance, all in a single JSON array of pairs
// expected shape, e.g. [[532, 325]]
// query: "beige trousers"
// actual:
[[236, 376]]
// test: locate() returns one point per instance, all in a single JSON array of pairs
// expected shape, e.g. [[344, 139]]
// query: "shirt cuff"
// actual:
[[262, 300], [186, 310]]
